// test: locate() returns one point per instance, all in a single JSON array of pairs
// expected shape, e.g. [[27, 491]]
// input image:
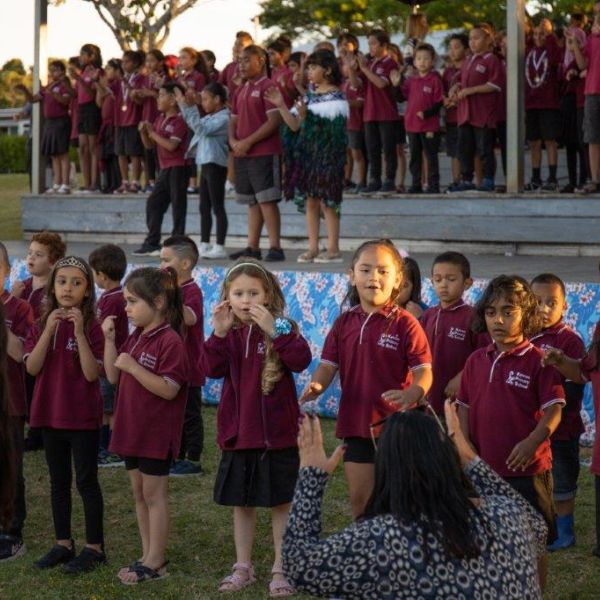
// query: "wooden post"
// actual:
[[40, 73], [515, 105]]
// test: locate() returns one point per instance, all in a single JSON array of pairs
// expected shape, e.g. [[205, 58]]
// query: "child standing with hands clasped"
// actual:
[[64, 350], [151, 372], [256, 349], [383, 359]]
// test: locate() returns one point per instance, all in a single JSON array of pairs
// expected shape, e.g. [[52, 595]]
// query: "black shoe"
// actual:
[[533, 186], [147, 250], [567, 189], [275, 255], [57, 555], [551, 185], [415, 189], [246, 253], [433, 189], [372, 187], [87, 561], [11, 547], [388, 186]]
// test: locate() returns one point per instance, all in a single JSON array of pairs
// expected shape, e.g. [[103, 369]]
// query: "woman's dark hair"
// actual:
[[381, 36], [7, 460], [352, 298], [328, 61], [297, 57], [413, 274], [58, 64], [115, 63], [94, 53], [216, 89], [149, 284], [517, 291], [419, 479], [348, 37], [137, 57], [209, 55], [199, 62], [255, 50]]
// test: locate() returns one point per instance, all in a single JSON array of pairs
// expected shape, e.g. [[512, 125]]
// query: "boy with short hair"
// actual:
[[181, 253], [448, 326], [550, 293], [109, 264]]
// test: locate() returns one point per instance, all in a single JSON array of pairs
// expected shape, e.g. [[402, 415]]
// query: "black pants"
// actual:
[[170, 188], [112, 173], [63, 447], [212, 200], [150, 163], [501, 135], [476, 140], [16, 429], [34, 434], [192, 440], [419, 143], [381, 135]]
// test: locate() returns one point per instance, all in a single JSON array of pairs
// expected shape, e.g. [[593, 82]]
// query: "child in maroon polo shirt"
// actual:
[[550, 293], [257, 351], [64, 350], [383, 359], [18, 318], [181, 253], [109, 264], [150, 369], [509, 404]]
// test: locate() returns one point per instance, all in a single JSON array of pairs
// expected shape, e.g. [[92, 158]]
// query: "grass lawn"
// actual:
[[11, 188], [201, 547]]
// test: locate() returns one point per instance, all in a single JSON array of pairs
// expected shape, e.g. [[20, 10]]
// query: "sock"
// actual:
[[104, 437], [552, 169], [537, 176]]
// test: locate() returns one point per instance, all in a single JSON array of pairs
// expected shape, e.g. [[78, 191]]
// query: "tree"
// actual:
[[12, 74], [139, 24]]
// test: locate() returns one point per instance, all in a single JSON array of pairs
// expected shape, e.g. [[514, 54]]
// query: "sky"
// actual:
[[210, 24]]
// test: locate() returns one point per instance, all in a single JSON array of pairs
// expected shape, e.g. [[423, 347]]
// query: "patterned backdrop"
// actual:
[[313, 300]]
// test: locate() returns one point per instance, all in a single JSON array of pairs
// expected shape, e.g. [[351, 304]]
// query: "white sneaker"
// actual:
[[204, 248], [63, 189], [52, 190], [215, 252], [229, 187]]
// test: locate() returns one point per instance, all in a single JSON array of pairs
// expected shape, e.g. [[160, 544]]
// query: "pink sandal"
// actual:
[[236, 582], [280, 588]]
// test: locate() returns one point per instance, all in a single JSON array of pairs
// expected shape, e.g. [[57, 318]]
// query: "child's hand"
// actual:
[[362, 60], [263, 318], [142, 126], [108, 328], [421, 115], [453, 386], [241, 147], [311, 392], [126, 363], [522, 454], [301, 108], [54, 317], [552, 357], [275, 97], [222, 317], [395, 77], [414, 309], [179, 95], [190, 97], [17, 289], [403, 399], [462, 94], [76, 317]]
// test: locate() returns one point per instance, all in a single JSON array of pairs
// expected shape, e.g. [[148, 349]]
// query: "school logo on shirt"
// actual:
[[480, 68], [456, 333], [255, 94], [260, 348], [427, 89], [72, 345], [379, 71], [391, 341], [147, 360], [169, 128], [518, 379]]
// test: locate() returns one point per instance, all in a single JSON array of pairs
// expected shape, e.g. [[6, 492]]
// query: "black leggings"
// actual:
[[64, 446], [381, 135], [192, 439], [17, 430], [212, 199]]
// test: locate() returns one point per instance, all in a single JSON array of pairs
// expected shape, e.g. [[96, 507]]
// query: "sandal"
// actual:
[[327, 257], [144, 573], [280, 588], [235, 582], [307, 257]]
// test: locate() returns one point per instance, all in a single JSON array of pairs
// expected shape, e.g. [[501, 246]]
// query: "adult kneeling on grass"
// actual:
[[440, 522]]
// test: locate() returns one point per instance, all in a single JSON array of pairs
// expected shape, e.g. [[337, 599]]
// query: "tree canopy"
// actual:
[[12, 73]]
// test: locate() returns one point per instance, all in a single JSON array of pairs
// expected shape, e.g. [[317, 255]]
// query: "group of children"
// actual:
[[514, 367]]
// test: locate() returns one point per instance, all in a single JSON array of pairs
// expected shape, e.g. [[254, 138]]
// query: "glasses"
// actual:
[[422, 405]]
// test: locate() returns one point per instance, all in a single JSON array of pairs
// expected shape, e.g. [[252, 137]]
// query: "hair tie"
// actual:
[[71, 261], [246, 264]]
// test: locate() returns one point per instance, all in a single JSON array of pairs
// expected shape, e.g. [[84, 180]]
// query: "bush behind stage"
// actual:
[[313, 301]]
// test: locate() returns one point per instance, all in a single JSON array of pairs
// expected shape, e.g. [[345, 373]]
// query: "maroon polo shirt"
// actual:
[[18, 316], [355, 118], [36, 298], [89, 75], [246, 418], [132, 115], [506, 394], [63, 398], [542, 87], [250, 107], [172, 128], [380, 104], [450, 78], [590, 368], [592, 53], [561, 336], [452, 341], [145, 424], [193, 80], [112, 304], [194, 338], [226, 78], [374, 353], [53, 109], [108, 109], [480, 110], [422, 93], [150, 106]]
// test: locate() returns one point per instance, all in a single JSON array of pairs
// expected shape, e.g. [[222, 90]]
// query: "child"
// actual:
[[128, 146], [210, 59], [396, 54], [151, 372], [256, 350], [509, 404], [448, 326], [181, 254], [424, 95], [382, 356], [230, 75], [409, 297], [542, 103], [169, 135], [17, 318], [254, 139], [210, 140], [109, 264], [56, 98], [317, 132], [475, 94], [64, 351], [281, 74], [550, 293]]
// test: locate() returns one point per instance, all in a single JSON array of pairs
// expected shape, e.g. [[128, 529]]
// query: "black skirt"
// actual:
[[90, 118], [55, 140], [262, 478]]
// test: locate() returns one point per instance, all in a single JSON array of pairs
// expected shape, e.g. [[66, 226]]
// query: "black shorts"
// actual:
[[542, 124], [565, 468], [356, 140], [591, 119], [359, 450], [538, 491], [452, 140], [128, 141], [90, 119], [159, 467], [400, 132], [257, 179]]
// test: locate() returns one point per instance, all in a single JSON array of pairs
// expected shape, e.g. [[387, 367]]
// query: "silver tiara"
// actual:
[[71, 261], [246, 264]]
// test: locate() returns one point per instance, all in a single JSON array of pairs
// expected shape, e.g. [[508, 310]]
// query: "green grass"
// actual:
[[11, 188], [201, 547]]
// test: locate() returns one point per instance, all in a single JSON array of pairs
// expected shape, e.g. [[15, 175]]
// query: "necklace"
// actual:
[[542, 60]]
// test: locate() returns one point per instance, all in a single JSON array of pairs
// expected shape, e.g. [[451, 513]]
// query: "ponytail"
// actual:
[[174, 299]]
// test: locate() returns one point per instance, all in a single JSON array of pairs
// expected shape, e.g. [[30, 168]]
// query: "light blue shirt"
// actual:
[[210, 134]]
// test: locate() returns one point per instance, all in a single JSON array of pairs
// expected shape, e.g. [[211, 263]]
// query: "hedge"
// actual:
[[13, 154]]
